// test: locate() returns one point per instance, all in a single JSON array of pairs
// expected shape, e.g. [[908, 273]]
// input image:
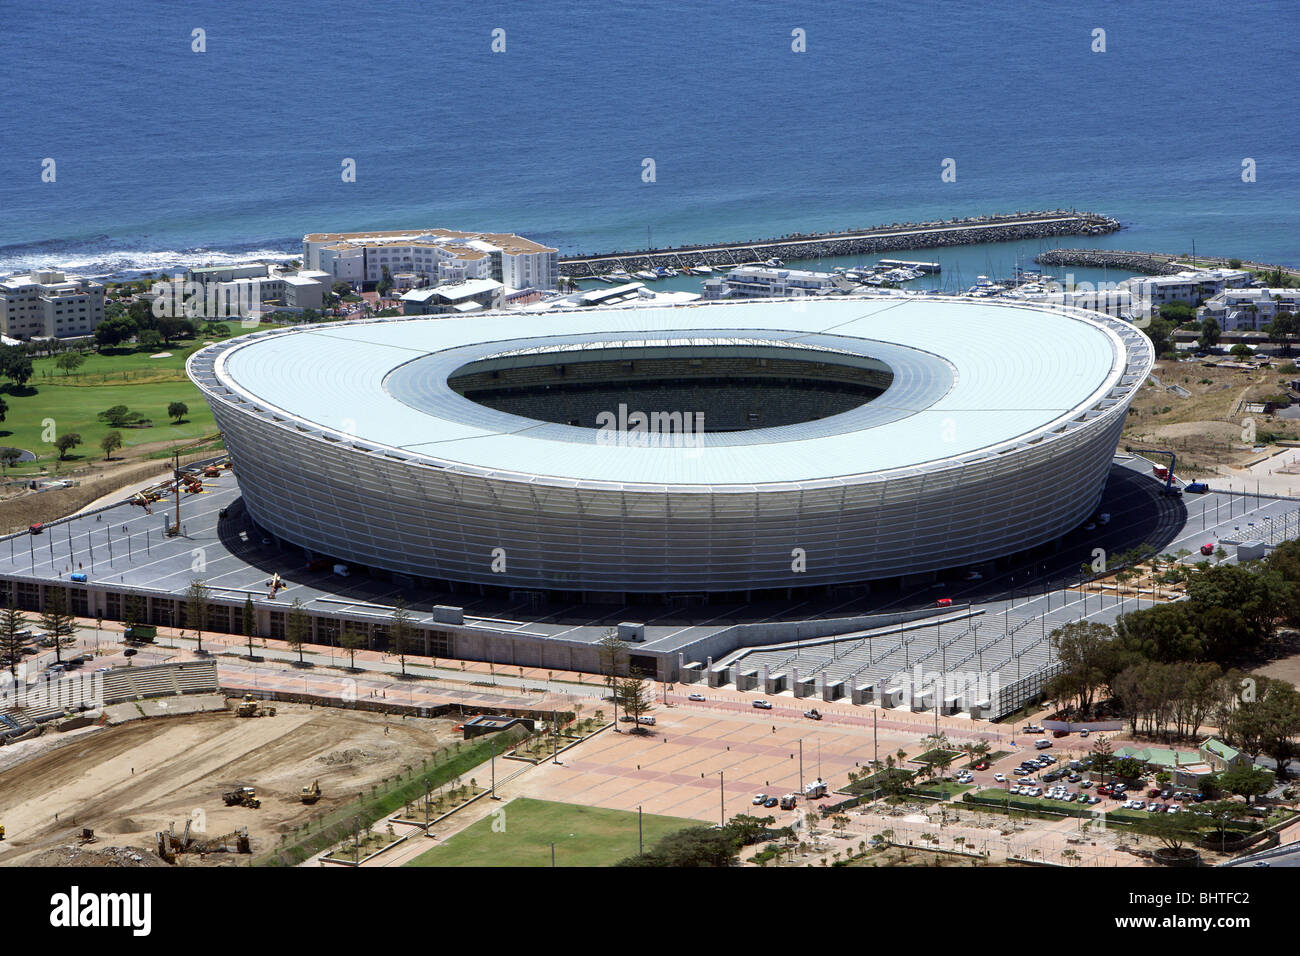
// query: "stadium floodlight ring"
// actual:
[[995, 433]]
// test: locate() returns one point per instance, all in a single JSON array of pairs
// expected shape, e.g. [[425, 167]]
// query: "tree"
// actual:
[[1174, 829], [351, 640], [692, 847], [4, 409], [1241, 352], [613, 659], [297, 627], [400, 632], [633, 693], [177, 410], [248, 622], [1082, 648], [1210, 333], [1103, 756], [69, 362], [65, 443], [149, 338], [1159, 331], [57, 623], [12, 625], [385, 284], [119, 416], [1223, 813], [110, 443], [114, 331], [16, 366], [196, 609], [1245, 781]]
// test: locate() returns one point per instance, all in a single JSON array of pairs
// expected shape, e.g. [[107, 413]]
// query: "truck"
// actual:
[[242, 797], [788, 801], [140, 633], [814, 790]]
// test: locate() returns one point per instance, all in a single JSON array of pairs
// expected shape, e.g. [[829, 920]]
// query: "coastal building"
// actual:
[[1151, 292], [251, 289], [472, 295], [46, 303], [1113, 302], [434, 255], [1249, 310], [763, 282]]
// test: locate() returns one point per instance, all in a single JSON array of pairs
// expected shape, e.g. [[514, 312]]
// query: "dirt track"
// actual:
[[183, 765]]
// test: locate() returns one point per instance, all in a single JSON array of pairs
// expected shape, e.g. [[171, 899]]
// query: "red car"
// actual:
[[1207, 549], [943, 602], [982, 765]]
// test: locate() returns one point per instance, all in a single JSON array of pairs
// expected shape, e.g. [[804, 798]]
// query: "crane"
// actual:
[[1169, 487]]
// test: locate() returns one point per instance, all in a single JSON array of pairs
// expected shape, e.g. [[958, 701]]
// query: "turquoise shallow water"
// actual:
[[166, 157]]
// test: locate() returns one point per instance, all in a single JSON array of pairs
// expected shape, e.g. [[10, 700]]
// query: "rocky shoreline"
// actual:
[[1143, 262], [895, 237]]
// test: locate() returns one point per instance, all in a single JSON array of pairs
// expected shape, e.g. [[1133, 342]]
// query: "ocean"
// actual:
[[165, 157]]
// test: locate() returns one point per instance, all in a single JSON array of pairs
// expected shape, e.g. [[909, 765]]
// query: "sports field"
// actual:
[[520, 833]]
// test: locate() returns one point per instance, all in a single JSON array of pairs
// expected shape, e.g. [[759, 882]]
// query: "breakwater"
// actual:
[[1143, 262], [890, 238]]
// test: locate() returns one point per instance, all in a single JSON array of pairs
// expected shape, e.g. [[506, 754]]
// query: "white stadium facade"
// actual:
[[811, 443]]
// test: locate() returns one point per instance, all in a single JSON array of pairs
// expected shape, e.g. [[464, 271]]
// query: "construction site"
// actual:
[[199, 789]]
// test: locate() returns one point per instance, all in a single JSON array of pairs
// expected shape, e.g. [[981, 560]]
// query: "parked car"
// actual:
[[696, 697], [1000, 777], [648, 721], [982, 765], [771, 802], [943, 602], [760, 799]]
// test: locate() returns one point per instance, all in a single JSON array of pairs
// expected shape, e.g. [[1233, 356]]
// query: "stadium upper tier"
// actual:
[[950, 432]]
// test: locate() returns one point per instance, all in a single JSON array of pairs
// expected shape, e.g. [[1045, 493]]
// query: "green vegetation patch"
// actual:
[[522, 834]]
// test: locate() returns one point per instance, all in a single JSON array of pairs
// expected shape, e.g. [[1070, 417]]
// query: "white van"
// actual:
[[1042, 744]]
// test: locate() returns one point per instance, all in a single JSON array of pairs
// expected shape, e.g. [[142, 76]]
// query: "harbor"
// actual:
[[703, 260]]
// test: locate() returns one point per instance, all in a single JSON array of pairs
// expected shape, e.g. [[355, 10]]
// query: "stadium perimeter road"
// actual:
[[125, 545]]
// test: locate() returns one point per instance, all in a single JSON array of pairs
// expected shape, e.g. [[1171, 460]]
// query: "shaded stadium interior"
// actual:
[[731, 388]]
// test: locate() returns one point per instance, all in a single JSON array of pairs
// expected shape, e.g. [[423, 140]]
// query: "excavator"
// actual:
[[311, 794]]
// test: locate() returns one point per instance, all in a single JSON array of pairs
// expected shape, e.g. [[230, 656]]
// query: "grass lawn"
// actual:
[[583, 836], [121, 376]]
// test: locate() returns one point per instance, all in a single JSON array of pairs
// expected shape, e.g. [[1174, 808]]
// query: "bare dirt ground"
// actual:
[[1285, 668], [1205, 427], [130, 781]]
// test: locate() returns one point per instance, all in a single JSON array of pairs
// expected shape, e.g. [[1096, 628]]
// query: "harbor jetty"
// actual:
[[1141, 262], [890, 238]]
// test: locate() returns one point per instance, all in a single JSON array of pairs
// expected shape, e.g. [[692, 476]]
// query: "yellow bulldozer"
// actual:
[[249, 707], [311, 794], [242, 797]]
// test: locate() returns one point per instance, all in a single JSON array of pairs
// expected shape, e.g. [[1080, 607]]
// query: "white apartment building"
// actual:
[[48, 304], [1249, 310], [436, 255], [220, 291], [754, 282], [1151, 292]]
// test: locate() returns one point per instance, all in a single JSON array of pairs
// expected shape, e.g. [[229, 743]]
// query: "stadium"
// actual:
[[719, 449]]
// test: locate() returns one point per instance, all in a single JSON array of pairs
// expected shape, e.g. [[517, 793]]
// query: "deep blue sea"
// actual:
[[165, 156]]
